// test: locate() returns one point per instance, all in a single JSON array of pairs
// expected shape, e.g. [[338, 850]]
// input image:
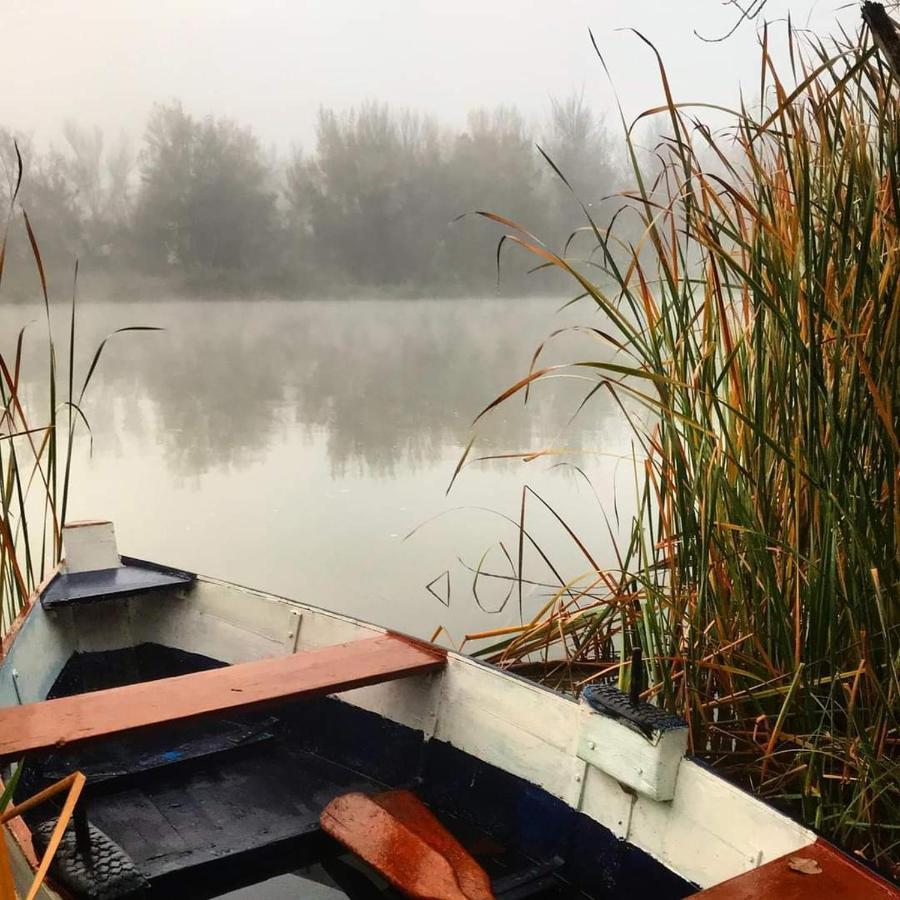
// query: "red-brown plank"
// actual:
[[839, 878], [328, 670]]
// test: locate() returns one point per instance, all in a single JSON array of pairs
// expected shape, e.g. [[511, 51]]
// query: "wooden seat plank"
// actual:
[[327, 670]]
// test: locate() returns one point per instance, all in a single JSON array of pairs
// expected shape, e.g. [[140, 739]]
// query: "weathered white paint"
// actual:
[[320, 628], [292, 639], [534, 733], [90, 546], [647, 764], [712, 830], [513, 724], [236, 625], [605, 801], [707, 832], [412, 702]]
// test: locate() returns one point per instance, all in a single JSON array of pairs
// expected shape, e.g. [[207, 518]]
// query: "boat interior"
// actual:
[[202, 806], [209, 760]]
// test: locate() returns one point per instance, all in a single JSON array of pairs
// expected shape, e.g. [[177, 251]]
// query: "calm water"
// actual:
[[294, 446]]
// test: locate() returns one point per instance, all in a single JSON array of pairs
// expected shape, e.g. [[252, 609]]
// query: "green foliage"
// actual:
[[368, 204], [377, 203], [375, 207], [757, 322], [204, 202]]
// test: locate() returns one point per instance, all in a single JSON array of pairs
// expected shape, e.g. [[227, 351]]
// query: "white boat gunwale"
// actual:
[[710, 831]]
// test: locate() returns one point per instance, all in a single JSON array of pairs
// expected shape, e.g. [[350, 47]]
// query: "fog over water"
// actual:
[[321, 153], [293, 445], [245, 150]]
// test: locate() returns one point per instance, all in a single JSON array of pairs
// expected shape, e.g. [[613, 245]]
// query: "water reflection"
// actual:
[[292, 445], [390, 383]]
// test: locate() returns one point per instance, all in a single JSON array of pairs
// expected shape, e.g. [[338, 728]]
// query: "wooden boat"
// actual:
[[227, 737]]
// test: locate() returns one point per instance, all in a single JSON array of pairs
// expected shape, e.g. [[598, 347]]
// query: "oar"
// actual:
[[399, 837]]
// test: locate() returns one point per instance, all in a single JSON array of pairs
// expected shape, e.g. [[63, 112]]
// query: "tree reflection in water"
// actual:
[[295, 443]]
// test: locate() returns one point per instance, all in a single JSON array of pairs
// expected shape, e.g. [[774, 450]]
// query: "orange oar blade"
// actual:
[[410, 847], [410, 811]]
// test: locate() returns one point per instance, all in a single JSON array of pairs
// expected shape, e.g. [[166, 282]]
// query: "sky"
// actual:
[[271, 64]]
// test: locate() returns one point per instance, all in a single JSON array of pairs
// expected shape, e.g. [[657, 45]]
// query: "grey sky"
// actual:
[[271, 63]]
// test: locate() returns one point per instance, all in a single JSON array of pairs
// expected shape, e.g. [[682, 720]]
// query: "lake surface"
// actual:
[[305, 448], [296, 446]]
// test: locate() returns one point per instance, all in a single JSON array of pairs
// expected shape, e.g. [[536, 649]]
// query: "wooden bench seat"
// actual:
[[52, 724]]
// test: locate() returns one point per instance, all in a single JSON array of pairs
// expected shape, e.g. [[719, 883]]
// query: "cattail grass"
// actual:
[[757, 321], [36, 444], [29, 522]]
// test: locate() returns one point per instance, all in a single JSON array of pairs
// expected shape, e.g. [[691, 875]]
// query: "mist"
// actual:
[[199, 205], [315, 150]]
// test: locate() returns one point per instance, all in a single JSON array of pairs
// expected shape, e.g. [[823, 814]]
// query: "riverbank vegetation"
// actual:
[[201, 206], [35, 453], [756, 324], [36, 435]]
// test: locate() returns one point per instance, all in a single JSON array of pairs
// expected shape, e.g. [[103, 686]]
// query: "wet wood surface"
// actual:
[[816, 872], [328, 670], [401, 839]]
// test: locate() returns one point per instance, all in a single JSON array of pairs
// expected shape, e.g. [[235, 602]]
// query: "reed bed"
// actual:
[[34, 486], [37, 435], [36, 449], [755, 321]]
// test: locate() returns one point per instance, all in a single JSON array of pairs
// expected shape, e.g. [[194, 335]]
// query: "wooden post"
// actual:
[[884, 32]]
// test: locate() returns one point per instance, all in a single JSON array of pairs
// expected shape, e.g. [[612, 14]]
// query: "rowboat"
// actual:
[[226, 742]]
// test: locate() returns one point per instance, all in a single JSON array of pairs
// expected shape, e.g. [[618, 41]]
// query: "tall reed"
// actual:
[[756, 320], [30, 514], [36, 440]]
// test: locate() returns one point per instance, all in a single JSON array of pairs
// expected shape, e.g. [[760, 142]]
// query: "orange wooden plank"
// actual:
[[328, 670], [839, 878], [410, 848]]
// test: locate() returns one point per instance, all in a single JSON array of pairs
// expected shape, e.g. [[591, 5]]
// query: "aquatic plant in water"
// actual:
[[755, 316], [36, 442]]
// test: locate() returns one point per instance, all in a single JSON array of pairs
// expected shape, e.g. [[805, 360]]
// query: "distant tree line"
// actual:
[[201, 205]]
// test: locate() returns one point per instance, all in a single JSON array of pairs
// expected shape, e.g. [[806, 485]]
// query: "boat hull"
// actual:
[[481, 745]]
